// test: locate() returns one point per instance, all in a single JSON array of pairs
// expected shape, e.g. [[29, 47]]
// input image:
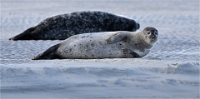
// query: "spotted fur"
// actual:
[[121, 44], [60, 27]]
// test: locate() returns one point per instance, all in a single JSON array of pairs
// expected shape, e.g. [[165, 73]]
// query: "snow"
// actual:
[[170, 70]]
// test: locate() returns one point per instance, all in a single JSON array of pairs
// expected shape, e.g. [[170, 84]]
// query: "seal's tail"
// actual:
[[48, 54], [25, 35]]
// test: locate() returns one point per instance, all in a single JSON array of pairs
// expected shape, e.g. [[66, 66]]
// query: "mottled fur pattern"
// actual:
[[63, 26], [120, 44]]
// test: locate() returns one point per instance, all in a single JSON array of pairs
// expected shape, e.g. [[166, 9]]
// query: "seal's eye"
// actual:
[[156, 33], [148, 33]]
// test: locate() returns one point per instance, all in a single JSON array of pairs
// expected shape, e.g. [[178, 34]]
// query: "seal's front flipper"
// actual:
[[130, 53], [116, 38], [48, 54]]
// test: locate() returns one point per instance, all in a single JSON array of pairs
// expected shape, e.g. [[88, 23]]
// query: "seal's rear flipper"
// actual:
[[26, 35], [48, 54]]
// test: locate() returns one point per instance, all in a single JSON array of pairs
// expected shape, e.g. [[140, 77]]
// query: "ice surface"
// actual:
[[100, 78]]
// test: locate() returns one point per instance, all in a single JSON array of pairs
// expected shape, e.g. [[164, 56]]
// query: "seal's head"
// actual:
[[136, 26], [150, 35]]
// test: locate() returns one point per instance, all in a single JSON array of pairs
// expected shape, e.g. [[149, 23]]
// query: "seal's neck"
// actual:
[[142, 42]]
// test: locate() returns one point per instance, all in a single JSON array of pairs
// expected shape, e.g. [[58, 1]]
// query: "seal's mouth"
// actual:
[[153, 39]]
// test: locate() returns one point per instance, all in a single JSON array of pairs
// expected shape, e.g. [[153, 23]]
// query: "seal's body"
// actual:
[[63, 26], [121, 44]]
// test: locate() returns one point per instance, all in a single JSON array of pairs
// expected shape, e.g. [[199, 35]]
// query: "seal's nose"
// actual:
[[153, 37], [138, 26]]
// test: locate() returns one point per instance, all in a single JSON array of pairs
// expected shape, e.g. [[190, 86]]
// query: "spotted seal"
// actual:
[[120, 44], [60, 27]]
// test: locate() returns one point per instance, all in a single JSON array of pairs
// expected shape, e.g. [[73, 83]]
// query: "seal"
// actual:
[[60, 27], [120, 44]]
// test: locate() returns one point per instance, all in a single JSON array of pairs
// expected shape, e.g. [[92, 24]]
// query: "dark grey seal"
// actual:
[[63, 26], [120, 44]]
